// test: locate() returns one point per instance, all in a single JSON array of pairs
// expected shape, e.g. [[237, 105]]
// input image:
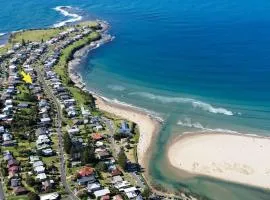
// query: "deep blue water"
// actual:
[[193, 62]]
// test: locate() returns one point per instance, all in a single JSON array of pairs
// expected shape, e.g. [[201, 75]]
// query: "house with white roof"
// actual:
[[100, 193], [47, 152], [39, 169], [73, 130], [37, 164], [50, 196], [92, 187], [41, 176]]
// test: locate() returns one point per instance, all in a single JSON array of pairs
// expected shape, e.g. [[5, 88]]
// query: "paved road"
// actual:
[[2, 194], [110, 125], [49, 93]]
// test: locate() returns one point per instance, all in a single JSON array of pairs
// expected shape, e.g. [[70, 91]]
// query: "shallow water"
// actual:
[[199, 64]]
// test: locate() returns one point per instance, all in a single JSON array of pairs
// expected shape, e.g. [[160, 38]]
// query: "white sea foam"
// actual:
[[116, 87], [73, 16], [149, 112], [196, 104], [187, 122], [2, 34]]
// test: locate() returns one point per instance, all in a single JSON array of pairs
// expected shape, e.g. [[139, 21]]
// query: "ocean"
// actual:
[[199, 65]]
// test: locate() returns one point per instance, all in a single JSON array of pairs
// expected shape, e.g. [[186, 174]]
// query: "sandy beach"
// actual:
[[148, 126], [236, 158]]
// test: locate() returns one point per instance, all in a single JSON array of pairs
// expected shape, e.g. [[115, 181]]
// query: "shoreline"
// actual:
[[149, 124], [221, 156]]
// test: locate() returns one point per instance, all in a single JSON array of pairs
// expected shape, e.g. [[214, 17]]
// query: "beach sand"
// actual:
[[236, 158], [148, 126]]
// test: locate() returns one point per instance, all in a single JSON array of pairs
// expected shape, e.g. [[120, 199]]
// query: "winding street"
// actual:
[[49, 94]]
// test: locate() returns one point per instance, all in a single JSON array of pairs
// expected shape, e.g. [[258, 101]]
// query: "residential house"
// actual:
[[101, 193], [15, 182], [50, 196], [39, 169], [73, 130], [37, 163], [124, 129], [86, 175], [41, 176], [102, 154], [96, 136], [23, 105], [117, 197], [33, 159], [92, 187], [47, 152], [14, 169], [47, 185], [131, 192], [12, 162]]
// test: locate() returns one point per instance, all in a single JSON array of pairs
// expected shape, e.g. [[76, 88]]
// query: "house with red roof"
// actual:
[[86, 175], [97, 136], [86, 171]]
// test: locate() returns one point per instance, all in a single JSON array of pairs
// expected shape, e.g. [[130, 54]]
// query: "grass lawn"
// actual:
[[92, 24], [78, 95], [5, 48], [50, 160], [35, 35], [22, 197], [61, 67]]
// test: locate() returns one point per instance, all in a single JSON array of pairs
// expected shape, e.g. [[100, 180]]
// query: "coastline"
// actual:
[[149, 122], [149, 125], [222, 156]]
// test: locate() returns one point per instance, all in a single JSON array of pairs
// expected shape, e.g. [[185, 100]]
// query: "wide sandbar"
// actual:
[[236, 158]]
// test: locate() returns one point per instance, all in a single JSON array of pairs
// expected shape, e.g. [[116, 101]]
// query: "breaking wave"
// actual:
[[64, 11], [149, 112], [116, 87], [195, 103], [2, 34], [187, 122]]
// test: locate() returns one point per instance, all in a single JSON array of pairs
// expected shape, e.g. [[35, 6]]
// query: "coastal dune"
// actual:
[[148, 126], [236, 158]]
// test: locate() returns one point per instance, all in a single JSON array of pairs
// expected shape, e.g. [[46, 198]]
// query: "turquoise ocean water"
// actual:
[[200, 65]]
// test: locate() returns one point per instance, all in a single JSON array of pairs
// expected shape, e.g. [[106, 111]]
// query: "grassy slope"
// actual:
[[35, 35], [61, 67], [39, 34]]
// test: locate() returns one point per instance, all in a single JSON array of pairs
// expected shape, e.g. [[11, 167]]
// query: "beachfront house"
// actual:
[[124, 129]]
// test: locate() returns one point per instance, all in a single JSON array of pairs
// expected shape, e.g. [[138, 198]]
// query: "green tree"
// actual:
[[88, 155], [146, 192], [122, 158], [67, 143], [33, 196], [23, 42], [114, 191], [30, 181], [101, 166]]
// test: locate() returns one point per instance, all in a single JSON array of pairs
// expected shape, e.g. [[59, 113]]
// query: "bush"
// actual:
[[101, 166], [117, 136], [33, 196]]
